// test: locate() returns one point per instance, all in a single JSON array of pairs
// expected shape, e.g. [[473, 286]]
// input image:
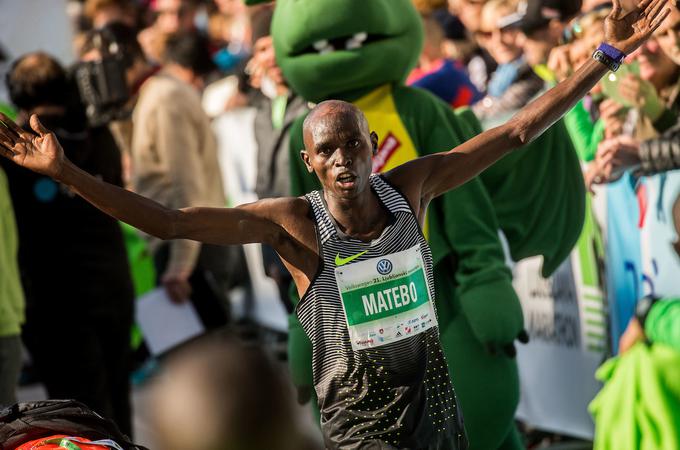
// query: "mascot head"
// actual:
[[334, 48]]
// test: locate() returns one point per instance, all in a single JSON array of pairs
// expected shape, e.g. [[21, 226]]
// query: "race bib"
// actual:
[[385, 299]]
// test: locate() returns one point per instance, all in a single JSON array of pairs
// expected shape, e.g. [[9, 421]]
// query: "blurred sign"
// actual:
[[640, 230], [565, 316], [572, 326]]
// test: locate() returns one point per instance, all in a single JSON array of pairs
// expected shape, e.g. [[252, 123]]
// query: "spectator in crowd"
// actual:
[[639, 405], [102, 12], [456, 44], [229, 28], [277, 107], [11, 299], [652, 95], [584, 33], [171, 16], [647, 103], [174, 160], [443, 77], [137, 69], [72, 259], [542, 26], [649, 157], [654, 155], [513, 83], [221, 394], [479, 62], [668, 34]]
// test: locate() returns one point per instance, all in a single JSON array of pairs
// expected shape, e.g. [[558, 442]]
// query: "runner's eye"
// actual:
[[354, 143]]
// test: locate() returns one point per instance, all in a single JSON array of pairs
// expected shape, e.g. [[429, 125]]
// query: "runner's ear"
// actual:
[[305, 158], [374, 142]]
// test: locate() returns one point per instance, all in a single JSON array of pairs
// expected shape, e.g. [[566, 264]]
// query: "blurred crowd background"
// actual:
[[182, 101]]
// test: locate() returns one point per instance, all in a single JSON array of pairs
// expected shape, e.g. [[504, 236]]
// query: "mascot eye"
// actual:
[[354, 143]]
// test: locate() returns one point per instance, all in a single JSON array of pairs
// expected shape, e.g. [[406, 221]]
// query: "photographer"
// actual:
[[71, 256], [172, 151]]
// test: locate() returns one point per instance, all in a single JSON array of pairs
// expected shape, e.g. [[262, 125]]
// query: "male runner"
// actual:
[[360, 263]]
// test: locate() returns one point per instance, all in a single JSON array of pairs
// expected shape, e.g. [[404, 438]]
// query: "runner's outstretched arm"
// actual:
[[442, 172], [44, 154]]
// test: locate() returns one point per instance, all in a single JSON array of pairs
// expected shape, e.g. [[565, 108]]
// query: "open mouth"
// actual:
[[346, 179], [355, 41]]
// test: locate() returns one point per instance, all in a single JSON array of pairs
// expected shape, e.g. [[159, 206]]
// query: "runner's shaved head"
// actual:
[[330, 113]]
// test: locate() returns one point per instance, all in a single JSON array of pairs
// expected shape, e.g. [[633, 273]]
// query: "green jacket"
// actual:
[[585, 134], [639, 406], [662, 325], [11, 293]]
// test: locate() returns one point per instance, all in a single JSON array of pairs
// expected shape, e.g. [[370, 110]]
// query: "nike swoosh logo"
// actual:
[[342, 261]]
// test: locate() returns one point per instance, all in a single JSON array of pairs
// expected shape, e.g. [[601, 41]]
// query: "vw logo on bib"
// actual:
[[384, 266]]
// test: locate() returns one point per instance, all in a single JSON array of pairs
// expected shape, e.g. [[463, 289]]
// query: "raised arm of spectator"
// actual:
[[42, 153], [441, 172]]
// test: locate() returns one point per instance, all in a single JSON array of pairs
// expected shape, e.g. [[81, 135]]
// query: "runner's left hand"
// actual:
[[626, 31]]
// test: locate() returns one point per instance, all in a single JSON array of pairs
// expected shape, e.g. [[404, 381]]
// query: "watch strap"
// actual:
[[602, 57], [613, 52]]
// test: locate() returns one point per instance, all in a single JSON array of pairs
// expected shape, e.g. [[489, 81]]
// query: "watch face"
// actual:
[[642, 308]]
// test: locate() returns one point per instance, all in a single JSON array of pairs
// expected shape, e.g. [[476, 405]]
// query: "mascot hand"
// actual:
[[495, 316]]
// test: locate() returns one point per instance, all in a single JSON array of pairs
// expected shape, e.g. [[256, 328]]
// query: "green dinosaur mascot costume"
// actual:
[[361, 51]]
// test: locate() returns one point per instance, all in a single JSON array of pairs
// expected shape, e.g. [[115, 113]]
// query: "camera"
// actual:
[[102, 85]]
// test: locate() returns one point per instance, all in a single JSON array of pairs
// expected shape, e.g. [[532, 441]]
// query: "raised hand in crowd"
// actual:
[[613, 114], [559, 62], [642, 95], [615, 156]]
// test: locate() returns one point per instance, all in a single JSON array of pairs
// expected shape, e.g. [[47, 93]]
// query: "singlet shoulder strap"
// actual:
[[324, 223], [391, 197]]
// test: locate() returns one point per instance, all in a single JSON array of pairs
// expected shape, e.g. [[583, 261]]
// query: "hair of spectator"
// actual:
[[123, 36], [37, 79], [189, 50], [434, 32], [261, 22], [499, 8], [92, 7], [427, 6]]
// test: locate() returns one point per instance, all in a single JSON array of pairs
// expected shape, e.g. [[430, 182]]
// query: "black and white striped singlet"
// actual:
[[398, 395]]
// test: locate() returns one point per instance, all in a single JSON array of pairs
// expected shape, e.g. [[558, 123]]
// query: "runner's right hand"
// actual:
[[40, 152]]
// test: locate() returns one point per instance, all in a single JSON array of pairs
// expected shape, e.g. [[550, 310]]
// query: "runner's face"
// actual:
[[339, 149]]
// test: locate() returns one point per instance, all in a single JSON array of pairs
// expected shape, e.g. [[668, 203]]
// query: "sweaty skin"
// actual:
[[340, 156]]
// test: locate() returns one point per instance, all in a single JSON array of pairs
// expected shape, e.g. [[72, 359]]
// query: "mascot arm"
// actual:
[[468, 223]]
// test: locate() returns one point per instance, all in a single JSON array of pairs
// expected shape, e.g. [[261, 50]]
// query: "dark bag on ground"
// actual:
[[23, 422]]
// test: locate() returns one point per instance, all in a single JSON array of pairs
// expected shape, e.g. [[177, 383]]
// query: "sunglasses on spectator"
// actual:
[[179, 12], [576, 28], [487, 34]]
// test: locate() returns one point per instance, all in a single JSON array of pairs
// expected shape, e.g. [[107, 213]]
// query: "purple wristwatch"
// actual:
[[609, 56]]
